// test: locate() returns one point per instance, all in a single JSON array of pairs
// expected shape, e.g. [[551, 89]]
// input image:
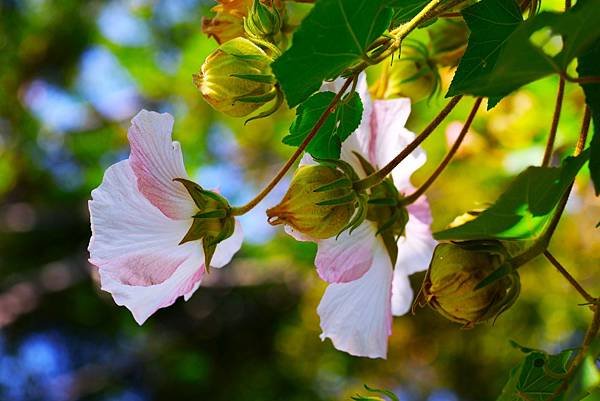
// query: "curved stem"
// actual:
[[379, 176], [238, 211], [555, 119], [568, 276], [461, 136]]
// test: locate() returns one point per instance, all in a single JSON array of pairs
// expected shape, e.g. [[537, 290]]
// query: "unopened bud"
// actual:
[[263, 21], [448, 41], [236, 78], [413, 75], [453, 285], [320, 202]]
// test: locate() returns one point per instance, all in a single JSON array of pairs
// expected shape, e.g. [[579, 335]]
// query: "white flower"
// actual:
[[139, 215], [365, 290]]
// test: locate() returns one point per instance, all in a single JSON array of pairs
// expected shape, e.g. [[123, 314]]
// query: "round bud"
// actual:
[[236, 78], [451, 283], [315, 204], [448, 41], [264, 21], [413, 75]]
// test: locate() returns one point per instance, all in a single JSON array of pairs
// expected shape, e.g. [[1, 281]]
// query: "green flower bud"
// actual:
[[413, 75], [263, 21], [236, 78], [448, 41], [319, 203], [213, 223], [453, 287]]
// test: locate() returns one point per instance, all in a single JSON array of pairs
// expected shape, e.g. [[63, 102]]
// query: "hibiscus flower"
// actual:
[[140, 215], [365, 288]]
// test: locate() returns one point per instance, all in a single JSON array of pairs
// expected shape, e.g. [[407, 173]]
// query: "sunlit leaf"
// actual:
[[524, 209]]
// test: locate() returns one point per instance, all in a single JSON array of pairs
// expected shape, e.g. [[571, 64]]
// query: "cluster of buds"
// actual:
[[321, 201], [236, 78], [238, 18], [470, 282], [213, 223]]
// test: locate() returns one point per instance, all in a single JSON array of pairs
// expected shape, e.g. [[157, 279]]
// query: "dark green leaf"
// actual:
[[505, 53], [337, 127], [491, 22], [332, 37], [589, 65], [524, 209]]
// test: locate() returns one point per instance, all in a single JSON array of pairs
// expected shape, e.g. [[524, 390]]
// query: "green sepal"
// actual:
[[213, 214], [264, 78], [342, 200], [252, 98], [340, 164], [496, 275], [340, 183], [270, 110], [195, 191], [367, 167], [383, 202]]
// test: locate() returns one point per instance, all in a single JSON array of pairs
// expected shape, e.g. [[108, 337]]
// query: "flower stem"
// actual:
[[461, 136], [238, 211], [568, 276], [555, 119], [379, 176]]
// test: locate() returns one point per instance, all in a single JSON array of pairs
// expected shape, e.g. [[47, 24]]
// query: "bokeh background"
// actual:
[[73, 73]]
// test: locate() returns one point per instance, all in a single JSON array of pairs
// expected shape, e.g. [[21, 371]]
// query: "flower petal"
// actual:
[[156, 160], [389, 136], [347, 257], [357, 316], [135, 246], [229, 247], [144, 301], [402, 293], [416, 247]]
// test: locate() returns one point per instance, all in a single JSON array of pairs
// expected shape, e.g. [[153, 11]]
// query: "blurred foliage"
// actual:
[[72, 73]]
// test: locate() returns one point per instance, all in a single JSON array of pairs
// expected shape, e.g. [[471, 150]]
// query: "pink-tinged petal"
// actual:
[[156, 160], [143, 301], [229, 247], [402, 293], [416, 247], [348, 257], [389, 137], [357, 316], [136, 247], [415, 250]]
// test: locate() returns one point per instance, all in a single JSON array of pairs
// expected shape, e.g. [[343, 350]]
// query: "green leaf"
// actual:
[[505, 53], [332, 37], [537, 377], [525, 208], [338, 126], [540, 375], [588, 65]]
